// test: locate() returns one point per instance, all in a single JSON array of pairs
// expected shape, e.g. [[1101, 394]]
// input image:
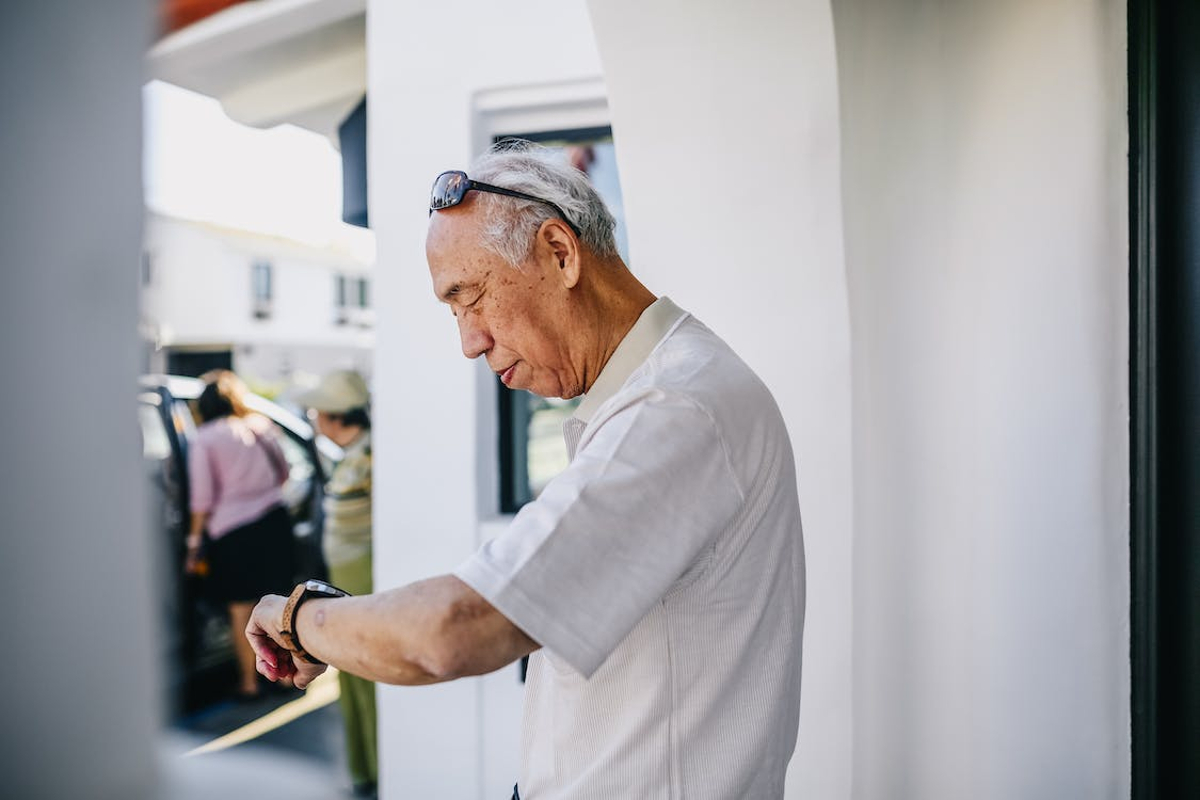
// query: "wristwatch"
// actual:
[[305, 591]]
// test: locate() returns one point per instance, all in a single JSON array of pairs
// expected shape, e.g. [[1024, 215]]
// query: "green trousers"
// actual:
[[357, 695]]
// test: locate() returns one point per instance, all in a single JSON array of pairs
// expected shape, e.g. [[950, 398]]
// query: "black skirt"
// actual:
[[253, 560]]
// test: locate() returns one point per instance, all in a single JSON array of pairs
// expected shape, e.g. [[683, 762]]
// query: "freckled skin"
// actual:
[[556, 320]]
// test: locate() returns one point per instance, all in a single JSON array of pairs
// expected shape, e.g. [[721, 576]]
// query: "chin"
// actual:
[[557, 389], [544, 391], [564, 392]]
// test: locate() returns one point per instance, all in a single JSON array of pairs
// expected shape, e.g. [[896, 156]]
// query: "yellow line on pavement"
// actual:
[[321, 692]]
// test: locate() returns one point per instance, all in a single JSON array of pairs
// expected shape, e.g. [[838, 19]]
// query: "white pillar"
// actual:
[[726, 126], [78, 696]]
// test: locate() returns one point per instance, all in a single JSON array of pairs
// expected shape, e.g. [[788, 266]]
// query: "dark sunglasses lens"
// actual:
[[448, 190]]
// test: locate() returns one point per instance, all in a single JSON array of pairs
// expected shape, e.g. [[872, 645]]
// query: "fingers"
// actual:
[[280, 667], [276, 664], [266, 670], [272, 661], [265, 649], [306, 674], [263, 624]]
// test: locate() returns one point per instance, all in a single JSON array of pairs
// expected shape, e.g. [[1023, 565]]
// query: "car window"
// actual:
[[187, 416], [300, 466]]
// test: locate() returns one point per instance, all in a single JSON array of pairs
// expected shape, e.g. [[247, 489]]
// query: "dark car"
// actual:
[[198, 644]]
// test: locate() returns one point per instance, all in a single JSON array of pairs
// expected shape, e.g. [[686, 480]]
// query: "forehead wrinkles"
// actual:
[[455, 256], [454, 231]]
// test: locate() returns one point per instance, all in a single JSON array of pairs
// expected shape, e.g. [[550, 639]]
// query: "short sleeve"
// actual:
[[648, 492], [202, 492]]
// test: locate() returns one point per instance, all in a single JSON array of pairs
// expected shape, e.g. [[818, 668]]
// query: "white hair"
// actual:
[[511, 223]]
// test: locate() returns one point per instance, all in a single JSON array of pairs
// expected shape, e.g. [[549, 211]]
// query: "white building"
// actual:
[[912, 218], [273, 309]]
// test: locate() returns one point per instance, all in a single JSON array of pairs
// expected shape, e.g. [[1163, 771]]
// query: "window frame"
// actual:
[[262, 287]]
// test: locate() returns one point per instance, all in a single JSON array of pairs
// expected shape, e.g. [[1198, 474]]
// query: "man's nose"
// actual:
[[475, 338]]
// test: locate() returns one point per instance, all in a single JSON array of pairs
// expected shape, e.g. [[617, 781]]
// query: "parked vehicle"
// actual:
[[197, 640]]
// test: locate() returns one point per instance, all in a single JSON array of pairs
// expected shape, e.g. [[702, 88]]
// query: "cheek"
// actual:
[[512, 317]]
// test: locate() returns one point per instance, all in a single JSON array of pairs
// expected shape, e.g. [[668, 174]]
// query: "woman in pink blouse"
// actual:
[[236, 470]]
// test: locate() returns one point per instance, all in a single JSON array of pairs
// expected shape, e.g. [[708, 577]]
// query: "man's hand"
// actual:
[[272, 660]]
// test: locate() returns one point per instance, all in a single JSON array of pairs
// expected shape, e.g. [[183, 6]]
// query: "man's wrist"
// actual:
[[311, 616], [290, 617]]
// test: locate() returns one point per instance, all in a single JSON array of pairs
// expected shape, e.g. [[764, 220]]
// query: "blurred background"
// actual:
[[958, 242]]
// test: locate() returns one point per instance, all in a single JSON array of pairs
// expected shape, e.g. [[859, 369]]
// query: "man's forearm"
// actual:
[[430, 631]]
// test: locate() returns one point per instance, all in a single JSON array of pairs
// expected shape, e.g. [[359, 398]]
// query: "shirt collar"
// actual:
[[650, 329]]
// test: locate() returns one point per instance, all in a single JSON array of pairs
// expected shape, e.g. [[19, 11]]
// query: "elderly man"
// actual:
[[658, 581]]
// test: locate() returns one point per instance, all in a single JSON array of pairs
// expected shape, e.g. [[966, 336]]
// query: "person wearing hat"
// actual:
[[338, 406]]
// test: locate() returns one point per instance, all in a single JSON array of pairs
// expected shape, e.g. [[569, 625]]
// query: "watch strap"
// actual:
[[287, 628]]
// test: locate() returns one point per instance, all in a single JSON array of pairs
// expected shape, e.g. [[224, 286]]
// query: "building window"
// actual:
[[147, 268], [352, 301], [531, 447], [261, 289], [340, 317]]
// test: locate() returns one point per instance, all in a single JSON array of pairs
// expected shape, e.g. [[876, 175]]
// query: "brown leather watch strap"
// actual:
[[287, 627]]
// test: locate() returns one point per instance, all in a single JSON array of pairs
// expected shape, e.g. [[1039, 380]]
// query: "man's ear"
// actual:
[[559, 243]]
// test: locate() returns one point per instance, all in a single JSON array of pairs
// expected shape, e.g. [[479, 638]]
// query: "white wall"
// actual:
[[426, 62], [725, 120], [984, 179], [953, 382], [778, 295]]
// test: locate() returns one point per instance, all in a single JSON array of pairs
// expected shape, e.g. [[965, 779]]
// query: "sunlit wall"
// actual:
[[950, 360], [984, 178]]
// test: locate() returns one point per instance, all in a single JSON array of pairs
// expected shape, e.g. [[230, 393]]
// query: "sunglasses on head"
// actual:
[[451, 187]]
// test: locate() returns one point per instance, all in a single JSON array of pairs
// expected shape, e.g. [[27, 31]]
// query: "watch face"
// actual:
[[321, 587]]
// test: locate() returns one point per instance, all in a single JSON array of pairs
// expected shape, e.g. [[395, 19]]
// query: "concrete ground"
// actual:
[[300, 727]]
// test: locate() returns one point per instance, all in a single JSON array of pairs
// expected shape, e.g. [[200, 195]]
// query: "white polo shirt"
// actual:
[[663, 574]]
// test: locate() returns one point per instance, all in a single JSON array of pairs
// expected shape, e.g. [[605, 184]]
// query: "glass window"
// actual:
[[531, 445], [300, 472], [260, 272], [339, 291]]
